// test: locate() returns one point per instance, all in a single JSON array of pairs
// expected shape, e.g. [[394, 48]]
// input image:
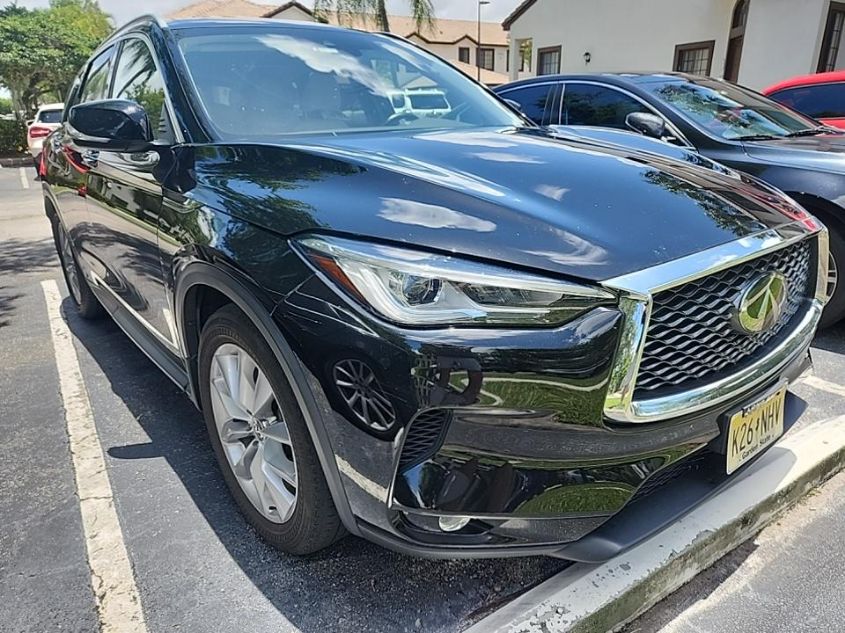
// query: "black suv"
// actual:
[[448, 332]]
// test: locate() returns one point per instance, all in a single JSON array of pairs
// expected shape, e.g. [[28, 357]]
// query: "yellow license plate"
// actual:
[[754, 428]]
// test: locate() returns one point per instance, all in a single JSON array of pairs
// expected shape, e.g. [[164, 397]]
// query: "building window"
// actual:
[[829, 59], [695, 58], [548, 61], [486, 58], [463, 54]]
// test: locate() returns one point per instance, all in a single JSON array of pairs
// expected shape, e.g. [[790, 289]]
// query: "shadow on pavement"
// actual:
[[19, 257], [353, 585]]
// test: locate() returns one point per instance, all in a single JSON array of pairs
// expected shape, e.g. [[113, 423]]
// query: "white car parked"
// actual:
[[423, 102], [47, 119]]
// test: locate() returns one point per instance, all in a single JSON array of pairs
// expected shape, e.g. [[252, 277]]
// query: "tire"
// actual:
[[87, 305], [835, 309], [263, 464]]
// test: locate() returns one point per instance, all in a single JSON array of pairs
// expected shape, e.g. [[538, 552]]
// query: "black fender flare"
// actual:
[[200, 273]]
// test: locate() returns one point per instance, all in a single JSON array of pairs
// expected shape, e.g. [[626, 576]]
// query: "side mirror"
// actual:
[[112, 125], [646, 124], [29, 122], [515, 105]]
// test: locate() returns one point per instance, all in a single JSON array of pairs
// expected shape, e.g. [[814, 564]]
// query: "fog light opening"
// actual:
[[452, 524]]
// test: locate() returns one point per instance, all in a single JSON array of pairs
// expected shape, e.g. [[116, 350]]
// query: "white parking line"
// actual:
[[24, 179], [824, 385], [118, 602]]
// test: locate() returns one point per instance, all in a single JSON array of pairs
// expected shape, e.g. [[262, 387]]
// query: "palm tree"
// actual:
[[421, 10]]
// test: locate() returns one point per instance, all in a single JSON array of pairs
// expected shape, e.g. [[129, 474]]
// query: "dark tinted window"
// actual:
[[824, 101], [137, 79], [534, 102], [97, 84], [50, 116], [585, 104]]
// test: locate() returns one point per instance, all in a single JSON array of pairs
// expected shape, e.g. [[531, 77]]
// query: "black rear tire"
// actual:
[[314, 523], [87, 305]]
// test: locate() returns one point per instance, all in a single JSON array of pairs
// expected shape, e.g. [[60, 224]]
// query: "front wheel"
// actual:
[[835, 309], [260, 438]]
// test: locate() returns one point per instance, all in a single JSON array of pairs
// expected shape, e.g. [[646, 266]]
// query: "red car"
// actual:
[[821, 96]]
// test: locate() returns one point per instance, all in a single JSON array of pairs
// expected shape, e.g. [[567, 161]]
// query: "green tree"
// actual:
[[421, 10], [42, 49]]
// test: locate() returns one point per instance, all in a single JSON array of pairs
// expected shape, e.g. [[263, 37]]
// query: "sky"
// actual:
[[124, 10]]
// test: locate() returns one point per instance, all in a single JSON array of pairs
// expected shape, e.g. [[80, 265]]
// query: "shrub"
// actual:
[[12, 137]]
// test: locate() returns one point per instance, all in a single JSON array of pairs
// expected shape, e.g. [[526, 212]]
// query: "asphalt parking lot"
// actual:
[[198, 567]]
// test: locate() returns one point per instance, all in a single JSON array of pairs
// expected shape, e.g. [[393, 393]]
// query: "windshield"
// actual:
[[258, 81], [729, 111]]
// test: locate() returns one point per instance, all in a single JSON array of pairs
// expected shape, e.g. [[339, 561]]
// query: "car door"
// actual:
[[71, 163], [539, 102], [824, 102], [125, 198]]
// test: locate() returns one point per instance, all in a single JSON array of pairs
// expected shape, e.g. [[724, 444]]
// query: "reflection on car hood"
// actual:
[[824, 152], [578, 209]]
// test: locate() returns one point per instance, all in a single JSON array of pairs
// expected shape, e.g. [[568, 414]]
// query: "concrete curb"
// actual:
[[599, 598], [17, 161]]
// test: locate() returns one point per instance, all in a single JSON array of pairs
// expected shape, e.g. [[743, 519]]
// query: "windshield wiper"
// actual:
[[813, 131], [756, 137]]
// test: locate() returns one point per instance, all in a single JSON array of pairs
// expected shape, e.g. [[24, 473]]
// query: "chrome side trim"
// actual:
[[636, 291]]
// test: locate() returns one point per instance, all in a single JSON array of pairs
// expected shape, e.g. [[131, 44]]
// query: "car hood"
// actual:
[[578, 209], [825, 152]]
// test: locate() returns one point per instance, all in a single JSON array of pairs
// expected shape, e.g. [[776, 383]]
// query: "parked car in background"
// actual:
[[447, 334], [724, 122], [47, 119], [420, 102], [820, 96]]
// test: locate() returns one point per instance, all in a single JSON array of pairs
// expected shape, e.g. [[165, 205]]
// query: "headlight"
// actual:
[[416, 288]]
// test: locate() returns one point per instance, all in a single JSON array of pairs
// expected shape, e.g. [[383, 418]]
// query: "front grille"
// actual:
[[424, 437], [690, 335]]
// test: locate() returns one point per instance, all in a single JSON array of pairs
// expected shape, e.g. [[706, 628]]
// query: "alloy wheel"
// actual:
[[253, 432], [832, 276]]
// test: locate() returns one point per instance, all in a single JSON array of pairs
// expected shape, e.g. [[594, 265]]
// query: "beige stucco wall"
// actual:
[[782, 38], [450, 51]]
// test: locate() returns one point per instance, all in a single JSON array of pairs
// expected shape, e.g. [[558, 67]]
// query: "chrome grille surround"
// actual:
[[637, 292], [690, 335]]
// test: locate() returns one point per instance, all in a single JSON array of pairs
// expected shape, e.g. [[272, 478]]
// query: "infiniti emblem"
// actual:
[[760, 303]]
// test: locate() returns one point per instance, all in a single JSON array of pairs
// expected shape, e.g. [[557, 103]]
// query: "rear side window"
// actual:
[[823, 101], [97, 83], [137, 79], [535, 102], [50, 116], [586, 104]]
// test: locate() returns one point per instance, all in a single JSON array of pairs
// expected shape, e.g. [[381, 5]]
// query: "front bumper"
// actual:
[[634, 510], [525, 455]]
